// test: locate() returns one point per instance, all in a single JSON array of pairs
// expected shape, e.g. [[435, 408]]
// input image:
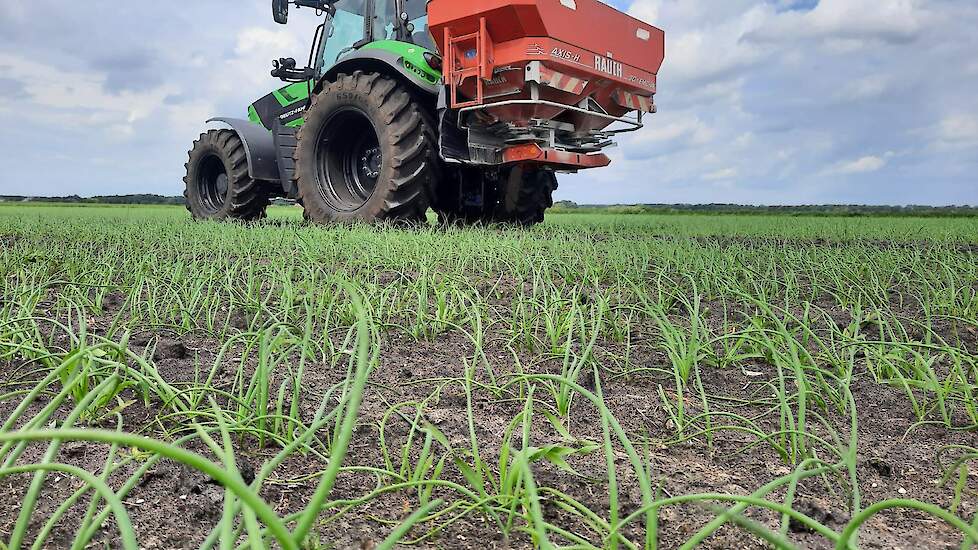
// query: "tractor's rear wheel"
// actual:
[[514, 195], [466, 195], [525, 194], [218, 186], [365, 153]]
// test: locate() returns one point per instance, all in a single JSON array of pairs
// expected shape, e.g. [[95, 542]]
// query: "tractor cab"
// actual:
[[351, 25], [357, 23]]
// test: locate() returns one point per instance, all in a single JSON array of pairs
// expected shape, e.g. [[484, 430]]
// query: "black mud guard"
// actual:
[[453, 142], [259, 146], [285, 144], [378, 61]]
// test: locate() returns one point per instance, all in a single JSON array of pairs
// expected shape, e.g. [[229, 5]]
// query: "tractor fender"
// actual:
[[259, 145], [378, 61]]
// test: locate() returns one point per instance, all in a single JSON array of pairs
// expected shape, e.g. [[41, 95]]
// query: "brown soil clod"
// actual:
[[113, 300], [170, 349], [881, 467], [247, 471], [240, 321], [74, 449], [819, 510]]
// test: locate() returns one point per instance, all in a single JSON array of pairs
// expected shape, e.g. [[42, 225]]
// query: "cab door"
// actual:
[[345, 32]]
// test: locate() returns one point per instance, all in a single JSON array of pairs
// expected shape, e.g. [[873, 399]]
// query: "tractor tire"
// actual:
[[218, 186], [365, 153], [467, 195], [525, 194]]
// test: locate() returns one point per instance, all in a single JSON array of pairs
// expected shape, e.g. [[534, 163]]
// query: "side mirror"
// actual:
[[280, 11]]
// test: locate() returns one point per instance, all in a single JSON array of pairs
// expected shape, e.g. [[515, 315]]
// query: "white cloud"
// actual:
[[708, 51], [744, 140], [75, 98], [855, 21], [262, 40], [959, 128], [646, 10], [688, 130], [862, 89], [864, 165], [13, 11], [248, 68], [719, 175]]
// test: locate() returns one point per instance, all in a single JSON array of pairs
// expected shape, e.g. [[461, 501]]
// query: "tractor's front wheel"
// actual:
[[218, 186], [364, 153]]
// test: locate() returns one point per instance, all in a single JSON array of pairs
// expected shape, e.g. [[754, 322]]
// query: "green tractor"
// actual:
[[370, 130]]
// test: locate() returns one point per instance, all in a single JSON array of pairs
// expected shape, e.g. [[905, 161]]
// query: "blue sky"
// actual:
[[760, 101]]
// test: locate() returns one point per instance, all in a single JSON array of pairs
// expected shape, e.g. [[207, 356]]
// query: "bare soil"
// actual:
[[176, 508]]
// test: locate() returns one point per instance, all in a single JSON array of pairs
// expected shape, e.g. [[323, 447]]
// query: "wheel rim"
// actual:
[[349, 160], [212, 183]]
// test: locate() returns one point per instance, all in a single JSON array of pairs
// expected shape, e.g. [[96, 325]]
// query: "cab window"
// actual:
[[417, 11], [385, 20], [344, 30]]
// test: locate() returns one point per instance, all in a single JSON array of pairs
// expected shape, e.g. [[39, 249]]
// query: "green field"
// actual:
[[601, 381]]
